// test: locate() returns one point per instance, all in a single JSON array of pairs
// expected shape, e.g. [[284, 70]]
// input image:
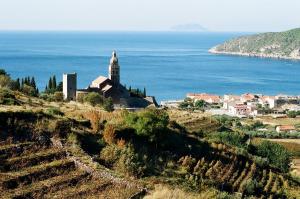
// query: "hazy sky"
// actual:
[[215, 15]]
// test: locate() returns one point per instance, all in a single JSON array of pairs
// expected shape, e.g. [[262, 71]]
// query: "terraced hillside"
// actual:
[[30, 170], [193, 121], [236, 173]]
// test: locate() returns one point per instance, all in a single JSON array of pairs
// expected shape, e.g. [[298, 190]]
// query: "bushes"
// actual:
[[7, 97], [93, 99], [94, 118], [109, 134], [108, 105], [151, 123], [54, 111], [276, 154], [230, 138], [5, 81]]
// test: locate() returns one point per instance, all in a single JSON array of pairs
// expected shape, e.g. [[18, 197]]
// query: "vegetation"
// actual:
[[276, 154], [190, 152], [275, 44], [52, 86]]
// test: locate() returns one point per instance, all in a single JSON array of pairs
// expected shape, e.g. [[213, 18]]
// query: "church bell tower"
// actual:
[[114, 70]]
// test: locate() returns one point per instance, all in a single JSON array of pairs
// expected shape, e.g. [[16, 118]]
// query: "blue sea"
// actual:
[[168, 64]]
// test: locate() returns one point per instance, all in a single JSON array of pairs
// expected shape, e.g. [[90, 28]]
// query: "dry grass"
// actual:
[[279, 121], [194, 121], [165, 192]]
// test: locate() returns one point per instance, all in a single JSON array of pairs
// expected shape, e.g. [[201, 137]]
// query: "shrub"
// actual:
[[93, 99], [7, 97], [109, 134], [230, 138], [292, 114], [94, 117], [54, 111], [151, 123], [252, 187], [110, 154], [29, 90], [58, 96], [73, 140], [130, 163], [5, 81], [108, 105], [276, 154]]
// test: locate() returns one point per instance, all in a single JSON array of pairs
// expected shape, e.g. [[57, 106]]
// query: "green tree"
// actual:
[[200, 104], [292, 114], [108, 104], [151, 123], [59, 87], [277, 154], [3, 72], [50, 84], [18, 84], [187, 103], [93, 98], [144, 93], [53, 82], [32, 83]]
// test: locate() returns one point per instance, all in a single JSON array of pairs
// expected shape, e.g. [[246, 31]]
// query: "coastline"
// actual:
[[260, 55]]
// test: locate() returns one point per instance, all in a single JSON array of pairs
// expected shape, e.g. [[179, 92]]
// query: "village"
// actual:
[[247, 105]]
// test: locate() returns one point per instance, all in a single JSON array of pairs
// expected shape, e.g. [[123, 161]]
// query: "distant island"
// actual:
[[282, 45]]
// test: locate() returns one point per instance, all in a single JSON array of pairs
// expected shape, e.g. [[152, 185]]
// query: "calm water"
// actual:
[[168, 64]]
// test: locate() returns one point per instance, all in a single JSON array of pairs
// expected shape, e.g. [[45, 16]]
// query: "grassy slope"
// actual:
[[192, 121], [288, 41]]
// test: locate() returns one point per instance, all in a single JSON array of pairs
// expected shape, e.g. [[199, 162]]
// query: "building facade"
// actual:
[[69, 86]]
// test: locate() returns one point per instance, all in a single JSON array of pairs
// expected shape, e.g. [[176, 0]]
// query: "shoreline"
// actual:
[[260, 55]]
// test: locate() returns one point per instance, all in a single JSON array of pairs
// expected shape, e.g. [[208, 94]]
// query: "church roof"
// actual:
[[106, 88], [98, 81]]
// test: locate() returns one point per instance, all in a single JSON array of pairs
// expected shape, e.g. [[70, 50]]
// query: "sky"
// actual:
[[149, 15]]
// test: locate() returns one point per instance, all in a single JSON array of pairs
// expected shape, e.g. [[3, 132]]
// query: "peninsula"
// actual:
[[281, 45]]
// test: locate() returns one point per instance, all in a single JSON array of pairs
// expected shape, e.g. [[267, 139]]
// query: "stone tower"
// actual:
[[114, 70], [69, 86]]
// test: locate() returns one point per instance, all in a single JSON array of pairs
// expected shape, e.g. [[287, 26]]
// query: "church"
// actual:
[[108, 87]]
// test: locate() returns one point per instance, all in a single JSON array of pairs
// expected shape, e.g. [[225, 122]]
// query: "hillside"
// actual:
[[83, 151], [285, 45]]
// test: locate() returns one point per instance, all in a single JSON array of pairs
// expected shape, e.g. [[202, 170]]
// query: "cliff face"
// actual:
[[284, 45]]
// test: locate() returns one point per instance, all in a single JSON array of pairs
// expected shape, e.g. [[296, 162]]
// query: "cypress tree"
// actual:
[[144, 93], [18, 86], [28, 81], [59, 87], [50, 84], [54, 82], [129, 89], [32, 83], [46, 89], [22, 83]]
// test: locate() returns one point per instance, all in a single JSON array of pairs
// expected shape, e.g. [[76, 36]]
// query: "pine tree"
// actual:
[[22, 84], [50, 84], [144, 93], [54, 82], [18, 86], [32, 83], [28, 81], [37, 91], [59, 87]]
